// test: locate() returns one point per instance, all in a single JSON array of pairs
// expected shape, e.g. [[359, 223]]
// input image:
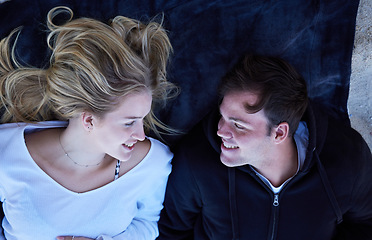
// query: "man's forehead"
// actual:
[[240, 98], [234, 106]]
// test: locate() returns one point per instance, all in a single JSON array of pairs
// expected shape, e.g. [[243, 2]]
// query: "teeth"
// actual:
[[130, 145], [229, 146]]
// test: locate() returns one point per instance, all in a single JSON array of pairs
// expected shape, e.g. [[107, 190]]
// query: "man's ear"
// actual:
[[87, 120], [281, 132]]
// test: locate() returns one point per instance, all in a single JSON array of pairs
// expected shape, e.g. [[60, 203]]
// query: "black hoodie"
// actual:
[[329, 198]]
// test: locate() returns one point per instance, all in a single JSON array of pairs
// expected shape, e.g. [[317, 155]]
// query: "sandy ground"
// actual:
[[360, 96]]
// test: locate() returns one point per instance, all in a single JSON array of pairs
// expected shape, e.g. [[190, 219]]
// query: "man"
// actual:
[[269, 165]]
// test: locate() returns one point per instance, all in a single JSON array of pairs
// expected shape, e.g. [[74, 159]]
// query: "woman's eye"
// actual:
[[129, 124]]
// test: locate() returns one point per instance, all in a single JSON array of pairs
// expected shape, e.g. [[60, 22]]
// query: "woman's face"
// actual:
[[117, 132]]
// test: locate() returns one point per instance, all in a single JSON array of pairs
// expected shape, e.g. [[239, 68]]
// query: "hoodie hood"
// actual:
[[317, 123], [210, 124]]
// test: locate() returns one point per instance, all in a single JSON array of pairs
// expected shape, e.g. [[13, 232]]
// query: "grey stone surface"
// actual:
[[360, 95]]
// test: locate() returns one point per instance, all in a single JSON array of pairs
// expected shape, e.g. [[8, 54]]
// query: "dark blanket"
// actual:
[[208, 37]]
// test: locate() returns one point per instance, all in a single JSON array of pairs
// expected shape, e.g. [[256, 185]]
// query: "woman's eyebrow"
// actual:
[[132, 117]]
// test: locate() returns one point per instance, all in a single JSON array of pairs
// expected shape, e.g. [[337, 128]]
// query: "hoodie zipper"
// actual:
[[275, 202], [275, 217], [275, 207]]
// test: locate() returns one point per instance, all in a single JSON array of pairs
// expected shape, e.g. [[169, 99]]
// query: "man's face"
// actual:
[[245, 138]]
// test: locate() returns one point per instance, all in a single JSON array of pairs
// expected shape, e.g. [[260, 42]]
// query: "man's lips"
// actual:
[[228, 146]]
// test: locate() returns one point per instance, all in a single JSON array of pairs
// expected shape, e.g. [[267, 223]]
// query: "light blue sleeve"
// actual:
[[2, 234], [2, 197], [144, 225], [2, 191]]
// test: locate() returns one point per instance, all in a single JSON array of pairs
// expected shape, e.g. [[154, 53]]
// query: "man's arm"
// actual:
[[182, 204], [357, 222]]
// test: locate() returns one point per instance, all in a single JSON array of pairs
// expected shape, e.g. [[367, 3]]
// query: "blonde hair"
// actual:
[[92, 65]]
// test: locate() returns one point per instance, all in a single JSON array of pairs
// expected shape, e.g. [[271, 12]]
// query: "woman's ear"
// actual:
[[87, 120], [281, 132]]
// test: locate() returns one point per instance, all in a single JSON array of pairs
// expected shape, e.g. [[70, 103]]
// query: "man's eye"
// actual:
[[238, 126]]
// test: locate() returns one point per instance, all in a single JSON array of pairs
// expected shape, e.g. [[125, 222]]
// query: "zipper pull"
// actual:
[[276, 200]]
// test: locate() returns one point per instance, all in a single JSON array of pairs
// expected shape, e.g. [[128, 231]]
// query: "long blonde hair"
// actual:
[[92, 65]]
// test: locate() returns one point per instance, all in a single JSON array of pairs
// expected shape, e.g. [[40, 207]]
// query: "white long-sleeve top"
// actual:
[[37, 207]]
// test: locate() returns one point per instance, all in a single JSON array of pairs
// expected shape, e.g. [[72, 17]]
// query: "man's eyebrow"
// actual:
[[237, 120]]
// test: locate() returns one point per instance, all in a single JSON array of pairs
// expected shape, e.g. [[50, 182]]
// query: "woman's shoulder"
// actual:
[[10, 132], [20, 126], [159, 149], [11, 127], [158, 158]]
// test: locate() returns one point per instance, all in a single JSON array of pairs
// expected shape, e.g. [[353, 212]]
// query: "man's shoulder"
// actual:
[[330, 129], [339, 143], [341, 135]]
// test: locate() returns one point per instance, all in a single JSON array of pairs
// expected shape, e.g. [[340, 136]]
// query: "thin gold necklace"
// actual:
[[76, 163]]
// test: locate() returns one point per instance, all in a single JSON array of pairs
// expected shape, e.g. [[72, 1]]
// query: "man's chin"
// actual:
[[228, 162]]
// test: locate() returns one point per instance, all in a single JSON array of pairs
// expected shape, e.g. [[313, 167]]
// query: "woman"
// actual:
[[93, 175]]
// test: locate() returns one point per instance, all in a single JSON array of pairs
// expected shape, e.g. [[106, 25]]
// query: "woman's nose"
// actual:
[[139, 133]]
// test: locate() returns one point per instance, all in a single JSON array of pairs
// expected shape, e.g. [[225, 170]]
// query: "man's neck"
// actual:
[[282, 164]]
